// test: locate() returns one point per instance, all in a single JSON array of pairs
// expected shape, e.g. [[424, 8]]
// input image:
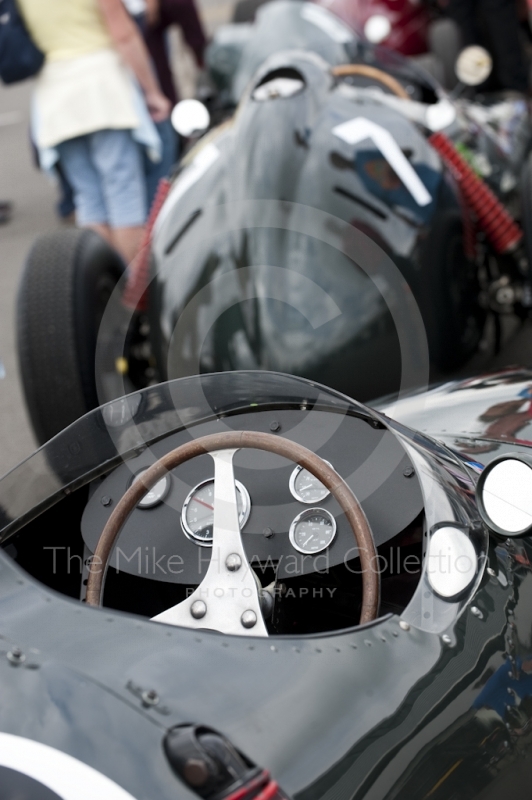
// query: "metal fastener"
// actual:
[[198, 609], [150, 697], [275, 426], [106, 500], [477, 612], [233, 562], [248, 619], [16, 656], [267, 533], [408, 472], [404, 625], [446, 639], [491, 572]]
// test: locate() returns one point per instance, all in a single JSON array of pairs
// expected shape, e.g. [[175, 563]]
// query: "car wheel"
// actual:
[[526, 206], [67, 281], [453, 315]]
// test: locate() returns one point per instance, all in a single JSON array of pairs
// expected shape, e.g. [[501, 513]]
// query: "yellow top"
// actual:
[[65, 29]]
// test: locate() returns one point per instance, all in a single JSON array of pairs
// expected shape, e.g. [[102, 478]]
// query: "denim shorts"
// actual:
[[106, 172]]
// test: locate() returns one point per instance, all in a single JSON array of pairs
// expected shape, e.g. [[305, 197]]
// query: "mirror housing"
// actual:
[[190, 118], [504, 495], [377, 28], [473, 66]]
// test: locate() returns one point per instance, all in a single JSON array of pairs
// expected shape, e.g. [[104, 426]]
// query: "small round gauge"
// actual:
[[197, 516], [156, 494], [306, 488], [312, 531]]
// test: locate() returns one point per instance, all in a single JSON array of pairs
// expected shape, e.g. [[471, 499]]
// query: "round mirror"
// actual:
[[451, 562], [377, 28], [474, 65], [440, 115], [504, 494], [190, 118]]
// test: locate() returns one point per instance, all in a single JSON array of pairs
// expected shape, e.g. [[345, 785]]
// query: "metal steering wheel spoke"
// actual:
[[227, 599]]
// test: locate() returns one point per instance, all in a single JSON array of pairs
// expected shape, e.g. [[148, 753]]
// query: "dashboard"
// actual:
[[288, 520]]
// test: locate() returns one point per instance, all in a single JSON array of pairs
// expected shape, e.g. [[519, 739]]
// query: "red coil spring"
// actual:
[[501, 230], [135, 295]]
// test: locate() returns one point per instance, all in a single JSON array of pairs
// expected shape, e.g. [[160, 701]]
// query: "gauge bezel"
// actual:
[[160, 499], [292, 485], [309, 512], [189, 533]]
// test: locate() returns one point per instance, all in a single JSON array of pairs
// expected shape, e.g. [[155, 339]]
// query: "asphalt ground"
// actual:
[[34, 198]]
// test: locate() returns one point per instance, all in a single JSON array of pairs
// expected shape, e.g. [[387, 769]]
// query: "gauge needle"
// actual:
[[204, 504], [308, 540]]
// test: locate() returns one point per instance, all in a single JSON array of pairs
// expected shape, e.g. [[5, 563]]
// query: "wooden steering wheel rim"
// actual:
[[344, 70], [251, 440]]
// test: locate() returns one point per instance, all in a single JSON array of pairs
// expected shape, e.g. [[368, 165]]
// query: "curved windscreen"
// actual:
[[102, 438]]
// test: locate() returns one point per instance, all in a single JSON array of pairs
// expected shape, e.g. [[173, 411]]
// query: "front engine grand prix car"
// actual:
[[329, 227], [231, 583]]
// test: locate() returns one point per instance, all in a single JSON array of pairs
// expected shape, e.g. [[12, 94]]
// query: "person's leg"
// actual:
[[464, 13], [75, 163], [161, 169], [117, 159], [502, 24]]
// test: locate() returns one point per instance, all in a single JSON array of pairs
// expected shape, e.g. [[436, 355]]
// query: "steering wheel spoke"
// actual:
[[227, 599]]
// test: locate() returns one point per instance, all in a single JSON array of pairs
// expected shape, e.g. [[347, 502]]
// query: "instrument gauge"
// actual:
[[312, 531], [306, 488], [156, 494], [197, 515]]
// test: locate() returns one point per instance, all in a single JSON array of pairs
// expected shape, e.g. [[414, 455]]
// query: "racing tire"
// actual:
[[67, 281], [452, 313], [526, 207]]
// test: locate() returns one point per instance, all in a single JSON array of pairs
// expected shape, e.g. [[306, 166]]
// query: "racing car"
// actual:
[[247, 585], [348, 216]]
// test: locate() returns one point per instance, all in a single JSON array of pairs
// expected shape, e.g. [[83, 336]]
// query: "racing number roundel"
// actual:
[[35, 771]]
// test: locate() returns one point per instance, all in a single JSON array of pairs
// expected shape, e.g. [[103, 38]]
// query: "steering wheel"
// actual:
[[391, 83], [228, 598]]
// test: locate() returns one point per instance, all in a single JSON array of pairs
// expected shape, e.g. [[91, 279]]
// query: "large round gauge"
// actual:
[[197, 516], [306, 488], [312, 531], [156, 494]]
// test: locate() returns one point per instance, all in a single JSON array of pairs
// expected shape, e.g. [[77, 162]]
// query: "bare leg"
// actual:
[[127, 241], [103, 230]]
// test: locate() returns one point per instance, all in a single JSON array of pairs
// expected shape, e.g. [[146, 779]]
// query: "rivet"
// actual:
[[446, 639], [491, 572], [248, 619], [16, 656], [477, 612], [106, 500], [233, 562], [150, 698], [267, 533], [408, 472], [198, 609], [404, 625], [275, 426]]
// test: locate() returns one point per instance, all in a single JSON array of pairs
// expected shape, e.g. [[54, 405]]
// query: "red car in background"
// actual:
[[402, 24]]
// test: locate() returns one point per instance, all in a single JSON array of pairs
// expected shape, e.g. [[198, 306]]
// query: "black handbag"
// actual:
[[20, 58]]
